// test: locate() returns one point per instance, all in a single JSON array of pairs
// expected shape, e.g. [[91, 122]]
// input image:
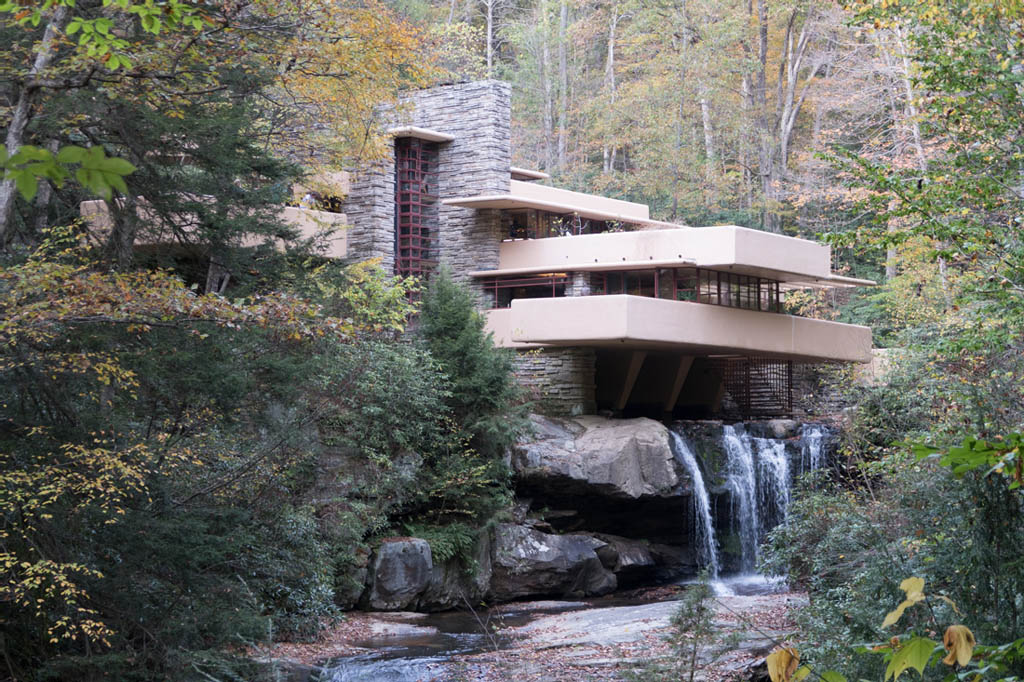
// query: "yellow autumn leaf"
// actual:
[[914, 589], [801, 673], [959, 642], [782, 663]]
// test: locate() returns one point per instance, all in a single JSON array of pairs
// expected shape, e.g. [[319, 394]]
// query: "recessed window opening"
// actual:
[[503, 290], [696, 285], [537, 224]]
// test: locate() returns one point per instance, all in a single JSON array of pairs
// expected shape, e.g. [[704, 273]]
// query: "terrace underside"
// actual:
[[658, 357]]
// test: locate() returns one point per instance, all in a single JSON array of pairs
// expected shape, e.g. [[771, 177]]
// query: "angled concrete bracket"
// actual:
[[636, 361], [682, 371]]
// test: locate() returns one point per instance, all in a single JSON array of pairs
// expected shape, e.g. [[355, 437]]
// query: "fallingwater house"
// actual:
[[608, 309], [610, 313]]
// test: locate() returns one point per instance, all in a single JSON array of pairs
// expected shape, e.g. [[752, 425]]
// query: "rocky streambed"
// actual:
[[613, 517], [600, 639], [611, 504]]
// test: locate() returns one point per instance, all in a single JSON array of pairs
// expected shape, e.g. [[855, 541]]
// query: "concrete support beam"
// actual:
[[636, 361], [682, 371]]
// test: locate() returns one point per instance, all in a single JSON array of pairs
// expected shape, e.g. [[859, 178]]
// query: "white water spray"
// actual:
[[758, 478], [742, 486], [773, 482], [812, 437], [704, 529]]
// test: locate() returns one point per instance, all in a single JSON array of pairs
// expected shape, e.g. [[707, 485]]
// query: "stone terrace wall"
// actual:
[[560, 380], [477, 162]]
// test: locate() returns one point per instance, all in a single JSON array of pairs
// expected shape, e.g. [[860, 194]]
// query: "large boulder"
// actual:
[[630, 560], [626, 459], [453, 584], [402, 569], [527, 562]]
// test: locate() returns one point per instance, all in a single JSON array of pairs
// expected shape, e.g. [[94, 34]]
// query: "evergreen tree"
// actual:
[[485, 399]]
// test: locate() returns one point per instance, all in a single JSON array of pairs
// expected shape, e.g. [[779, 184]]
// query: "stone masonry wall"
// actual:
[[478, 116], [560, 380], [370, 209]]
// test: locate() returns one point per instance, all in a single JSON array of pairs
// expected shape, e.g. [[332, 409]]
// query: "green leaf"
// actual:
[[116, 166], [914, 654], [71, 154], [73, 27], [26, 183], [832, 676], [118, 183]]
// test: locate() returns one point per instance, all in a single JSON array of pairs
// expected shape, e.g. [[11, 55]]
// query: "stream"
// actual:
[[413, 647], [420, 647]]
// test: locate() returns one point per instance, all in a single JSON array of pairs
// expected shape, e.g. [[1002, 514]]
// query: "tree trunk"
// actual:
[[44, 195], [563, 83], [791, 103], [608, 152], [922, 160], [489, 4], [545, 84], [124, 219], [22, 110], [748, 190], [710, 157], [766, 158]]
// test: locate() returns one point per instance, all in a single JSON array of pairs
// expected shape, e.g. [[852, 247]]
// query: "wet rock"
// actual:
[[783, 428], [402, 570], [630, 560], [453, 584], [619, 458], [672, 561], [528, 562]]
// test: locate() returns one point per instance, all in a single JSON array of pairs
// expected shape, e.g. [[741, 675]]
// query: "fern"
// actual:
[[452, 540]]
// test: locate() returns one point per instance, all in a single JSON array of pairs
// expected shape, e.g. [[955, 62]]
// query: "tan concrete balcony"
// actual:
[[728, 248], [327, 230], [640, 323]]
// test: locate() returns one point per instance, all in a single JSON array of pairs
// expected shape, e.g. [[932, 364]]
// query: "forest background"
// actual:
[[161, 443]]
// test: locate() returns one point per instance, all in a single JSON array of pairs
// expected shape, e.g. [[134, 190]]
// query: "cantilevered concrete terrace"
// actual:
[[742, 273], [639, 323]]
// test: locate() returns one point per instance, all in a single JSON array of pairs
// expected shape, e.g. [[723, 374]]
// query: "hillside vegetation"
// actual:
[[192, 465]]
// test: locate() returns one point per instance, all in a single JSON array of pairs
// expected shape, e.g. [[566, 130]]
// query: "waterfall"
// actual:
[[742, 485], [812, 438], [773, 482], [758, 477], [704, 528]]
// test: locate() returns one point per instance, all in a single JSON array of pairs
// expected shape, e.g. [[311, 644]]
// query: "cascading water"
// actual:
[[758, 477], [742, 485], [812, 438], [704, 528], [773, 482]]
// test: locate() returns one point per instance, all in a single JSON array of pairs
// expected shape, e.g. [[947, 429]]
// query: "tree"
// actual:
[[310, 75], [483, 391], [138, 417]]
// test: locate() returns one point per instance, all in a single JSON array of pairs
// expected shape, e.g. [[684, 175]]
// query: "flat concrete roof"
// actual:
[[526, 195], [421, 133], [796, 262], [527, 174]]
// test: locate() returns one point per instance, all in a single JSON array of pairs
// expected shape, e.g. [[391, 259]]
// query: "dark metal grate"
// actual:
[[758, 387], [416, 207]]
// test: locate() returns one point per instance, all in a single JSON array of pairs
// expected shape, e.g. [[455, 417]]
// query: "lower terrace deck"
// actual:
[[641, 323]]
